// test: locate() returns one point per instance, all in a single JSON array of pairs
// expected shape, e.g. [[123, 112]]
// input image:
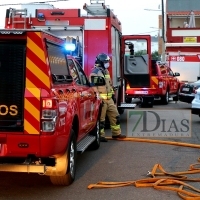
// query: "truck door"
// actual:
[[91, 97], [136, 60], [172, 81], [83, 96]]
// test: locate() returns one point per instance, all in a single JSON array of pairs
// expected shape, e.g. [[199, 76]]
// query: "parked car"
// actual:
[[187, 91], [165, 82], [196, 103]]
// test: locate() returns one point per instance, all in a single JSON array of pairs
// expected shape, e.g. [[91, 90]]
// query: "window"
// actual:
[[154, 69], [170, 72], [163, 70], [83, 77], [74, 72], [57, 60]]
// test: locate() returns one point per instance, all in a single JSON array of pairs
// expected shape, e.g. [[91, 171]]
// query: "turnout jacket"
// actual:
[[105, 91]]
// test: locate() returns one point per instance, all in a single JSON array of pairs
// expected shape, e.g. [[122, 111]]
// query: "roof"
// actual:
[[182, 7], [183, 13]]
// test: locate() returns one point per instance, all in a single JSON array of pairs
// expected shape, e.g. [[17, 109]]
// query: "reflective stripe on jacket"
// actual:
[[105, 91]]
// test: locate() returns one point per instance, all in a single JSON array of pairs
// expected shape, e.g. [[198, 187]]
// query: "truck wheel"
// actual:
[[96, 132], [69, 177], [176, 97], [165, 98]]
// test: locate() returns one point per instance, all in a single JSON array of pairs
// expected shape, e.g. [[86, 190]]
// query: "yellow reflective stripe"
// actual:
[[106, 96], [107, 76], [116, 127], [102, 130]]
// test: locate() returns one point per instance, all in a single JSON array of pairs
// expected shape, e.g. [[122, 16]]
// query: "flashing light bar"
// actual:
[[70, 47]]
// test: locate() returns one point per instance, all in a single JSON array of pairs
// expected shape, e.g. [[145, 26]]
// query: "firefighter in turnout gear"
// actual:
[[106, 93]]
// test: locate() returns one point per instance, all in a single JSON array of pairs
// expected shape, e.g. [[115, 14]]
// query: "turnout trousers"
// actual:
[[110, 109]]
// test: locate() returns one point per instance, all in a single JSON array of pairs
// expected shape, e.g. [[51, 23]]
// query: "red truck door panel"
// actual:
[[83, 96], [172, 81], [89, 97]]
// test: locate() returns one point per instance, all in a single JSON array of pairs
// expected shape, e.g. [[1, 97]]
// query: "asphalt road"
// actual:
[[114, 161]]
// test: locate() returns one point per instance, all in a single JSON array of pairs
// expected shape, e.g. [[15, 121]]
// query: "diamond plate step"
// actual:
[[84, 143], [127, 105]]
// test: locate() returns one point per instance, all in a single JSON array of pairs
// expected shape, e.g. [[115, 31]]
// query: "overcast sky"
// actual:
[[131, 13]]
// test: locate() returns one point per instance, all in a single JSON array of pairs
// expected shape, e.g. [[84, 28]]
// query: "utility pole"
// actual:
[[163, 30]]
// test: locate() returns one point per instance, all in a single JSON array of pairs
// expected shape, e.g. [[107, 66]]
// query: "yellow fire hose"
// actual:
[[166, 179]]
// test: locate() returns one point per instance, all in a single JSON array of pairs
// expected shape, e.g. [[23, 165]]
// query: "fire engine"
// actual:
[[88, 35], [48, 110]]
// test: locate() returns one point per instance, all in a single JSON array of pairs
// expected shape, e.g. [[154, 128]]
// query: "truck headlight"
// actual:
[[49, 114], [160, 84]]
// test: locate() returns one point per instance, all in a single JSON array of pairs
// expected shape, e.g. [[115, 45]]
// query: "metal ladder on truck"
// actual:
[[16, 14], [96, 8]]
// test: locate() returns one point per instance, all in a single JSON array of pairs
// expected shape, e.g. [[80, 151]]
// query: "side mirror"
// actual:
[[98, 81], [176, 74]]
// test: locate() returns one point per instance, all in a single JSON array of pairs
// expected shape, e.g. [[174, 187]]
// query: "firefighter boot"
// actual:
[[102, 132], [118, 136]]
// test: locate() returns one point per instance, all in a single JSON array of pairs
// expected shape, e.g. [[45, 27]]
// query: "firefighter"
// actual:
[[107, 95]]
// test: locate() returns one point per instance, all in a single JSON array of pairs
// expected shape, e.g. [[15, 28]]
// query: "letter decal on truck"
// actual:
[[13, 110], [8, 110]]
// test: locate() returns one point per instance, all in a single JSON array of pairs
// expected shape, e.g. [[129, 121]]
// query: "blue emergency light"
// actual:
[[70, 47]]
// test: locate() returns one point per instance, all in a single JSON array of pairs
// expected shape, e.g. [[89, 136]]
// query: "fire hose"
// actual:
[[161, 179]]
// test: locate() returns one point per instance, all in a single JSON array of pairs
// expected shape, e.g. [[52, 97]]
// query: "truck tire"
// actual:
[[165, 98], [96, 132], [69, 177], [176, 97]]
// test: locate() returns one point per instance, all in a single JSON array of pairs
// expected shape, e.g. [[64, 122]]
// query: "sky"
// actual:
[[131, 13]]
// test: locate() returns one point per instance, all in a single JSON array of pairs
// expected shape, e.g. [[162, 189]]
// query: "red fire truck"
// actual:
[[87, 36], [48, 110]]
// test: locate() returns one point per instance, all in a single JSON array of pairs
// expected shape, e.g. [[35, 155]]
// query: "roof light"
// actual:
[[41, 17], [70, 47]]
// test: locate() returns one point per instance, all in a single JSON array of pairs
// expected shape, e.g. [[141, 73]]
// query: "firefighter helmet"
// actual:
[[101, 59]]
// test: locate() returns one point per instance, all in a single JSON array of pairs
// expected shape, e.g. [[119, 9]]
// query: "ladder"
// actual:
[[96, 8], [17, 13]]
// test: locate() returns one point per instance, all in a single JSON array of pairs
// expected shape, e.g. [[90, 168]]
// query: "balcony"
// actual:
[[179, 36]]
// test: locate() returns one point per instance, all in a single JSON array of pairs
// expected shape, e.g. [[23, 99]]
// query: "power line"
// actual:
[[146, 32], [31, 3]]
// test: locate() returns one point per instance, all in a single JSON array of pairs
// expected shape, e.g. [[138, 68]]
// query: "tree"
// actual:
[[155, 55], [140, 53]]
